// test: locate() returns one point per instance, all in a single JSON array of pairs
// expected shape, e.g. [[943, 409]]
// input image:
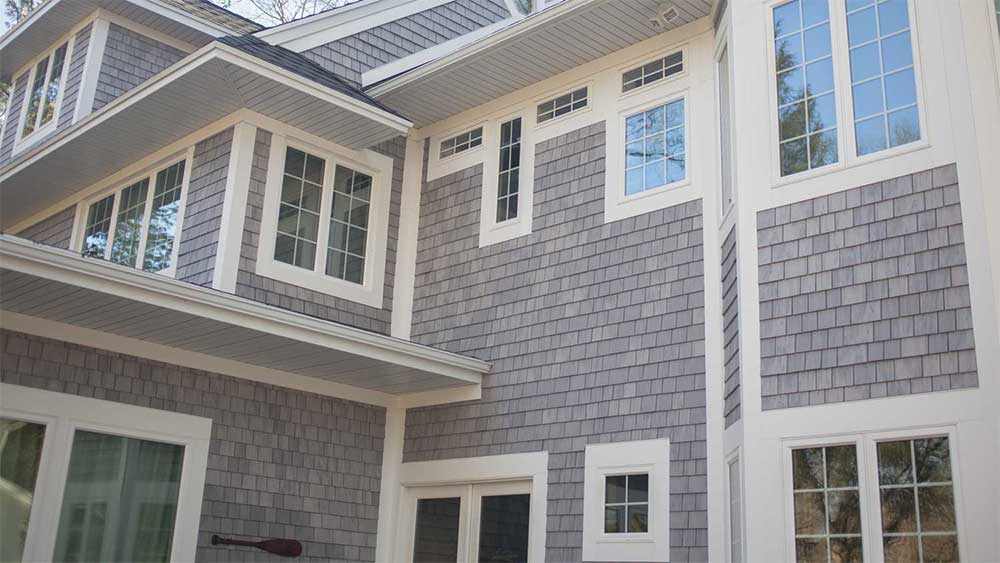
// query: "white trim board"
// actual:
[[234, 205]]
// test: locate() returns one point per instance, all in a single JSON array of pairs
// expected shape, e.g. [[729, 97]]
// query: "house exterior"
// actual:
[[502, 280]]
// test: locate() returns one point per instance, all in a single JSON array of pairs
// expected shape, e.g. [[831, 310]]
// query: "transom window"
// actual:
[[137, 226], [461, 143], [807, 112], [300, 227], [626, 504], [46, 82], [882, 78], [562, 105], [654, 150], [651, 72], [827, 504], [510, 170]]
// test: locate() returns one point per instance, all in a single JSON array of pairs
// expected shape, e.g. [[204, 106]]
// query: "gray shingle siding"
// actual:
[[203, 209], [595, 332], [731, 328], [54, 231], [282, 463], [864, 293], [74, 76], [273, 292], [129, 60], [353, 55], [13, 120]]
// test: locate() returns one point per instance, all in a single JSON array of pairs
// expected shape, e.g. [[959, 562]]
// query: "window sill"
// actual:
[[652, 200], [854, 162], [369, 294], [35, 137]]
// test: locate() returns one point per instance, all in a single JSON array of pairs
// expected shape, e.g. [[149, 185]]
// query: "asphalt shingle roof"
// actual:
[[214, 13]]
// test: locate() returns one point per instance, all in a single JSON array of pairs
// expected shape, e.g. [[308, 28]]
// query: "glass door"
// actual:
[[485, 523]]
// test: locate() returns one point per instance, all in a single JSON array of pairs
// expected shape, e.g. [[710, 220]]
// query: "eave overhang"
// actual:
[[537, 47], [71, 294], [199, 90]]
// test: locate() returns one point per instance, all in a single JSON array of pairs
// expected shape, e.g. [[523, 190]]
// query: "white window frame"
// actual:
[[588, 86], [379, 167], [603, 460], [83, 209], [641, 63], [22, 141], [438, 167], [868, 482], [844, 98], [491, 232], [63, 414]]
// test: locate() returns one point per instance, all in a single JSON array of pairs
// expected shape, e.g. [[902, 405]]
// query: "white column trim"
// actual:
[[389, 489], [234, 208], [92, 69], [406, 246]]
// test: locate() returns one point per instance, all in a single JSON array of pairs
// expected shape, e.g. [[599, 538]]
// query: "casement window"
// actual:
[[138, 225], [44, 91], [626, 499], [653, 71], [655, 148], [325, 220], [871, 40], [886, 497], [92, 480], [510, 170], [562, 105], [461, 142]]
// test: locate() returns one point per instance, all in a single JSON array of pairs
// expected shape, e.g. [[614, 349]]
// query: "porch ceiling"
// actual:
[[196, 92], [542, 45], [40, 282]]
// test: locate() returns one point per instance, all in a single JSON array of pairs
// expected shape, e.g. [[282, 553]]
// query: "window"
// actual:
[[325, 219], [807, 113], [625, 501], [882, 74], [827, 504], [654, 149], [122, 483], [510, 170], [562, 105], [725, 128], [46, 84], [651, 72], [144, 218], [461, 143], [917, 500]]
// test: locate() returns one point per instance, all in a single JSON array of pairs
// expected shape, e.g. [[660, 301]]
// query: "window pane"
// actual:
[[509, 171], [653, 136], [940, 548], [298, 213], [163, 218], [827, 504], [54, 82], [120, 500], [841, 466], [933, 460], [128, 223], [436, 534], [95, 233], [614, 489], [810, 513], [638, 488], [638, 518], [881, 48], [806, 101], [894, 463], [846, 550], [503, 528], [20, 454], [614, 519], [810, 550]]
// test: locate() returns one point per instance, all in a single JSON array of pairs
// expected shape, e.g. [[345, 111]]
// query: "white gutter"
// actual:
[[23, 256]]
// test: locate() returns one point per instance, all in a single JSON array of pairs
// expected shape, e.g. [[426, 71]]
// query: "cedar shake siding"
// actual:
[[731, 328], [865, 293], [129, 60], [595, 332], [57, 230]]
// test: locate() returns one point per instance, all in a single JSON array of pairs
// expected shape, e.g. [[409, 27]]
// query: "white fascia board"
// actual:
[[67, 267], [325, 27], [174, 13], [189, 63], [526, 24], [399, 66]]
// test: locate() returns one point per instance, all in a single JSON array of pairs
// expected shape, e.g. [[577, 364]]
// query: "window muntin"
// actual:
[[655, 148], [626, 504], [883, 83], [510, 170], [917, 501], [349, 225], [462, 142], [653, 71], [144, 222], [827, 504], [558, 107], [807, 113], [299, 211], [20, 458], [46, 83]]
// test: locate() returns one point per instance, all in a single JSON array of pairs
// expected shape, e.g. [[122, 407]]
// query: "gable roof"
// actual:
[[217, 14]]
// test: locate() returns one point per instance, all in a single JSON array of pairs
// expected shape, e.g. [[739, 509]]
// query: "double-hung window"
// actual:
[[138, 225], [45, 85]]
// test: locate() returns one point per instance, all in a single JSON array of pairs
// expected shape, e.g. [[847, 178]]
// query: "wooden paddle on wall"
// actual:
[[284, 548]]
